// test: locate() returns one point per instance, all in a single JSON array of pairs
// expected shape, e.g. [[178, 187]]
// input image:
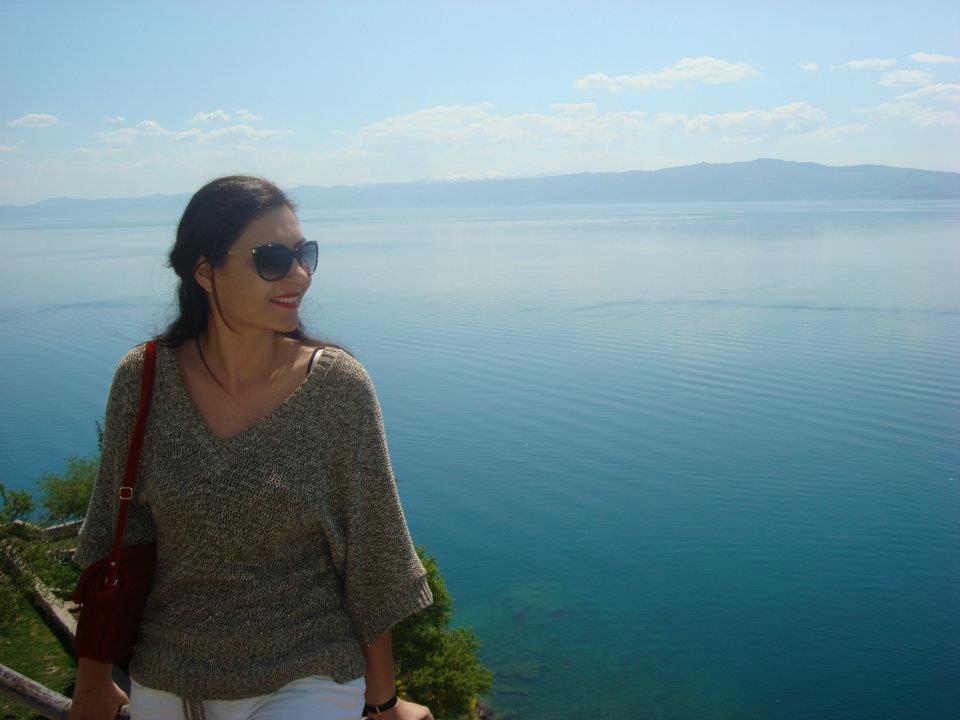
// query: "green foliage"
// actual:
[[9, 604], [437, 666], [28, 646], [16, 504], [66, 496], [45, 558]]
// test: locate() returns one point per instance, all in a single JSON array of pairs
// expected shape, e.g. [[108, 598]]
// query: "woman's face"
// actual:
[[245, 298]]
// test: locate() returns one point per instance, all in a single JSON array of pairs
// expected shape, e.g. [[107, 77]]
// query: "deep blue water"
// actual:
[[701, 461]]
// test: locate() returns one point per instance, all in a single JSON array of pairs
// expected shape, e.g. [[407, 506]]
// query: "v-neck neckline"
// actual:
[[167, 358]]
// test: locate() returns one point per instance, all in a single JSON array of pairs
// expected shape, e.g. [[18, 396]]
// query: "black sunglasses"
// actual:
[[273, 261]]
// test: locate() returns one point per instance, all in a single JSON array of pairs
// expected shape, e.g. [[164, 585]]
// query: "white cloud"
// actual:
[[457, 123], [743, 140], [570, 125], [870, 63], [114, 119], [246, 132], [810, 66], [126, 136], [247, 116], [443, 140], [940, 91], [191, 134], [4, 149], [899, 78], [919, 115], [34, 120], [840, 131], [796, 117], [923, 57], [473, 140], [574, 108], [204, 117], [666, 119], [153, 129], [708, 70]]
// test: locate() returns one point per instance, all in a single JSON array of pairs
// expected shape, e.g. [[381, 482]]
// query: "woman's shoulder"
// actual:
[[350, 370], [351, 382], [127, 378], [131, 363], [129, 369]]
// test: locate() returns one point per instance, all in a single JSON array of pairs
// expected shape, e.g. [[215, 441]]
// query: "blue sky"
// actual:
[[111, 99]]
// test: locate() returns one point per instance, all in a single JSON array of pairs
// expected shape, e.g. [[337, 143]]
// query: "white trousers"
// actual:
[[317, 697]]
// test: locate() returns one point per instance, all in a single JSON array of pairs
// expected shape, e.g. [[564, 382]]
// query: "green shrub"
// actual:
[[437, 666], [9, 604], [14, 504], [65, 497]]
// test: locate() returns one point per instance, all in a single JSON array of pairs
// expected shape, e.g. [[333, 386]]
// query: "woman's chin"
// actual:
[[286, 322], [280, 327]]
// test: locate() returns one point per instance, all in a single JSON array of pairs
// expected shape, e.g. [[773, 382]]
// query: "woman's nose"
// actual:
[[302, 263], [300, 270]]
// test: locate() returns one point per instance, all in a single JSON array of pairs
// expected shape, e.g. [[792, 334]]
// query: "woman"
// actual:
[[283, 555]]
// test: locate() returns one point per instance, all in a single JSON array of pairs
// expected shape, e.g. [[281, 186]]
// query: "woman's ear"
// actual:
[[203, 274]]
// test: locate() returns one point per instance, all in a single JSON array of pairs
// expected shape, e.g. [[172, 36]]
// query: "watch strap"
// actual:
[[377, 709]]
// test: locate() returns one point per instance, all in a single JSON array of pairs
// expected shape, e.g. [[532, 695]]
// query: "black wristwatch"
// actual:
[[377, 709]]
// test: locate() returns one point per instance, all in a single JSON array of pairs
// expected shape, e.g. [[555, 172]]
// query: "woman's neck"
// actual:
[[239, 362]]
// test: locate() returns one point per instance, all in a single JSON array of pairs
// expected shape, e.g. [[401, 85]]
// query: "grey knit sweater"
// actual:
[[279, 550]]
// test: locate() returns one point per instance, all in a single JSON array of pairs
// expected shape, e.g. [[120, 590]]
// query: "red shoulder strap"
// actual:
[[136, 444]]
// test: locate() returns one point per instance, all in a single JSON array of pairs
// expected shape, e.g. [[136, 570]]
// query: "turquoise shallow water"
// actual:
[[699, 460]]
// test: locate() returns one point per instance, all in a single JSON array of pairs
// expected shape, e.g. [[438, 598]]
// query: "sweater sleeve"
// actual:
[[96, 533], [384, 580]]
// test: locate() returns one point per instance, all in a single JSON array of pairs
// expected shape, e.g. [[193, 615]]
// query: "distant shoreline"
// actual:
[[755, 180]]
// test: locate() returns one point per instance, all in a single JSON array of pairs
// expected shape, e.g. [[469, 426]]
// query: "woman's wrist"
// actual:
[[94, 668], [376, 708]]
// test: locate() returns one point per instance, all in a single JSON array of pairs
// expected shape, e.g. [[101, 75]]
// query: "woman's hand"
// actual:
[[403, 710], [99, 703], [95, 694]]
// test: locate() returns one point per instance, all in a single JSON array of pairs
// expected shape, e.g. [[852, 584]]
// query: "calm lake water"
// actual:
[[675, 461]]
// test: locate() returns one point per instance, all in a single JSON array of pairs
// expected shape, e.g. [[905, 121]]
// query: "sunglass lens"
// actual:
[[309, 256], [273, 261]]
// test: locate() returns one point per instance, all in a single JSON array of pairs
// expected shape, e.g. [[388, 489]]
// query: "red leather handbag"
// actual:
[[112, 592]]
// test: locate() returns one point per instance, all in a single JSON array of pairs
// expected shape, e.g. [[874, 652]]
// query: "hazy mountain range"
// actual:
[[756, 180]]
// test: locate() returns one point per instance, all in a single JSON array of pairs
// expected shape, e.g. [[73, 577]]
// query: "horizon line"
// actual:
[[466, 179]]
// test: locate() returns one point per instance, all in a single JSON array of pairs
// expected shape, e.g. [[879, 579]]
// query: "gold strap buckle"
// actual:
[[126, 492]]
